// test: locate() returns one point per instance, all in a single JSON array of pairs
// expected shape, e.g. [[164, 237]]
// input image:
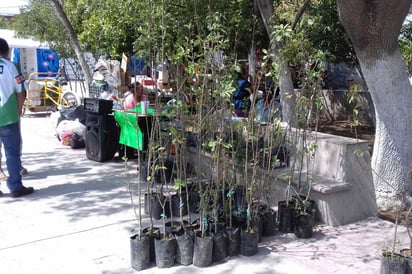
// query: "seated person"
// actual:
[[268, 108], [242, 94], [134, 96]]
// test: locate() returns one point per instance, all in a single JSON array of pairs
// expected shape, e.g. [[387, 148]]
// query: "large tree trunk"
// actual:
[[287, 94], [374, 36], [73, 38]]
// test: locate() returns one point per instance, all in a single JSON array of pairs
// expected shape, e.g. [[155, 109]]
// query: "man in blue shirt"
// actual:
[[241, 96]]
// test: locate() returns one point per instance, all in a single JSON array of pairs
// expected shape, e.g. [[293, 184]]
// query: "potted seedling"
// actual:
[[392, 261], [217, 223], [232, 231], [139, 242], [165, 245], [140, 251], [184, 240], [407, 252], [272, 155], [251, 234], [304, 207], [395, 260]]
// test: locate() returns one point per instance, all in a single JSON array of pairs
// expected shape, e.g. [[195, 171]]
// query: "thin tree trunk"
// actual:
[[287, 94], [73, 38]]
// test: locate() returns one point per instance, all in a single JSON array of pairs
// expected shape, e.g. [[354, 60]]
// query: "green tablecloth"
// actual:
[[130, 133]]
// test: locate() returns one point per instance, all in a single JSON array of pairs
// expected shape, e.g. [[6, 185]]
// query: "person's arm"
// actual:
[[21, 91], [21, 97]]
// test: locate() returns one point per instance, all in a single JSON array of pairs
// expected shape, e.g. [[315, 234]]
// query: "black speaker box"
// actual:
[[102, 137]]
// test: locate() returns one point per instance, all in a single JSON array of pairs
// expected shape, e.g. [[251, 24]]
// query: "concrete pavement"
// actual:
[[80, 218]]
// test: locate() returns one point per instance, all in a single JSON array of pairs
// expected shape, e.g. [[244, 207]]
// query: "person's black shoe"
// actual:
[[24, 191], [1, 193]]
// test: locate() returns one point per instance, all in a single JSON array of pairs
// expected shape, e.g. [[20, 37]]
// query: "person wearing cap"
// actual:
[[12, 98]]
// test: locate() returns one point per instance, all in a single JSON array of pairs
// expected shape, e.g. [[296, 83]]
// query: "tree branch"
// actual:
[[266, 11], [300, 13]]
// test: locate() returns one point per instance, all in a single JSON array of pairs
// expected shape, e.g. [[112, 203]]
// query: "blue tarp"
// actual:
[[136, 66], [47, 61]]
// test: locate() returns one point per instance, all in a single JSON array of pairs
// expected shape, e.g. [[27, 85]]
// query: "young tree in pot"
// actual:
[[178, 142], [208, 214], [304, 207], [302, 140], [203, 243], [162, 244], [232, 232], [273, 155], [250, 235], [392, 260], [185, 245], [407, 252], [139, 247], [165, 246], [212, 194], [139, 242], [217, 222], [304, 218], [165, 249], [213, 99]]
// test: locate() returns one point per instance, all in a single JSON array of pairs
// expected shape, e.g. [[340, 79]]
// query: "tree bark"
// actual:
[[73, 38], [374, 35], [287, 93]]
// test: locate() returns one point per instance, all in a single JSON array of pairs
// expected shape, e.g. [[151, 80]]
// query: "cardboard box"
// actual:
[[123, 70], [124, 63], [123, 78], [128, 78], [121, 90]]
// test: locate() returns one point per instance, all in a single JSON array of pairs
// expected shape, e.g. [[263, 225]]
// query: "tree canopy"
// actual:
[[147, 28], [162, 28]]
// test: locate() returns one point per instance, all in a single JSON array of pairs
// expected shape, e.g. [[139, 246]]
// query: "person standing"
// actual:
[[3, 176], [11, 102]]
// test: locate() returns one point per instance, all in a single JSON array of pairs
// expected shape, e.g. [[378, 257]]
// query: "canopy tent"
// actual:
[[14, 42], [12, 8], [31, 56]]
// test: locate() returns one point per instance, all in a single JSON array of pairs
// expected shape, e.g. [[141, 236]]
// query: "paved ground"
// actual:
[[80, 218]]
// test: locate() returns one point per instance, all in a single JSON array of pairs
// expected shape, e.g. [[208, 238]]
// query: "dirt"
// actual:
[[343, 128], [404, 219]]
